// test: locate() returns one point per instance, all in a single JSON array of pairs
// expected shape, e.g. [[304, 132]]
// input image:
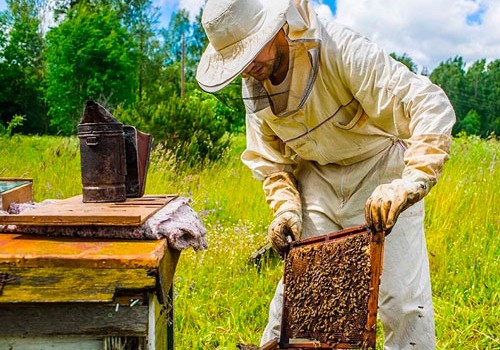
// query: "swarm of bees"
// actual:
[[327, 287]]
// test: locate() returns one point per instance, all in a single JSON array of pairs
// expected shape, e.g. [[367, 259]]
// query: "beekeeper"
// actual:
[[341, 135]]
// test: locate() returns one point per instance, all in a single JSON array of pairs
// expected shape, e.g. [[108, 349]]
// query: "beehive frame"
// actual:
[[331, 287]]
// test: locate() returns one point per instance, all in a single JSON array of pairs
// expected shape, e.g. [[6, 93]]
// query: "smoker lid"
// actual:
[[95, 113]]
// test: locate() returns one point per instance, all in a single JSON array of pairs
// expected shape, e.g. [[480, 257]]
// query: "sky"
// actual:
[[429, 31]]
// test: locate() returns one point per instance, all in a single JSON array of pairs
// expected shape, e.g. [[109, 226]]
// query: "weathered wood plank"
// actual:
[[60, 343], [45, 255], [159, 323], [73, 212], [61, 284], [84, 319], [166, 271], [35, 251]]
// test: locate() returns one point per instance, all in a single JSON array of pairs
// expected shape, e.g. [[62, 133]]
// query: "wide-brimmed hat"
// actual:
[[237, 31]]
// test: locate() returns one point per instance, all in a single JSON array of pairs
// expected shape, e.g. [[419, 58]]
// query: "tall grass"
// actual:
[[222, 299], [52, 162], [463, 234]]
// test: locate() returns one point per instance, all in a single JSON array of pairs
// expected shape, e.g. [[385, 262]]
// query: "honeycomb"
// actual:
[[327, 291]]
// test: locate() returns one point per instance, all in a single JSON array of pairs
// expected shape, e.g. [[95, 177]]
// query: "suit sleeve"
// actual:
[[404, 104], [271, 161]]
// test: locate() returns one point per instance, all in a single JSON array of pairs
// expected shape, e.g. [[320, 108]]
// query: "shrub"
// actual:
[[194, 127], [8, 130]]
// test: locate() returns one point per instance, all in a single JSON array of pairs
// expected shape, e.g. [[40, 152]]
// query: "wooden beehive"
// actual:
[[331, 291], [93, 294], [15, 190]]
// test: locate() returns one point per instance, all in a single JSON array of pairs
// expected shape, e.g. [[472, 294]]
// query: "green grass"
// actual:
[[463, 227], [222, 300]]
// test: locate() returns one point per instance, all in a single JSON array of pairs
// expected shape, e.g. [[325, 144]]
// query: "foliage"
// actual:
[[222, 300], [474, 89], [192, 124], [184, 41], [406, 60], [194, 127], [21, 66], [8, 131], [113, 51], [141, 18], [90, 55], [471, 124], [230, 97]]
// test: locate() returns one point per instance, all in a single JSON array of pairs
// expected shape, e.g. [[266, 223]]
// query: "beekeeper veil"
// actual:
[[239, 29], [288, 96]]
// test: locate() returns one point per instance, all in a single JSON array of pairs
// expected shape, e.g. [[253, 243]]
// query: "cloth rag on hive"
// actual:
[[177, 222]]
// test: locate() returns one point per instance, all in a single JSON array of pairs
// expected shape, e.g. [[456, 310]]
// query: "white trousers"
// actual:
[[333, 198]]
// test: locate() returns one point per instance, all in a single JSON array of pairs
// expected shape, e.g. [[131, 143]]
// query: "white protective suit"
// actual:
[[365, 120]]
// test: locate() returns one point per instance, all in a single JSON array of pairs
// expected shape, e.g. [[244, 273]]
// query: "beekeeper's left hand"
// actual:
[[388, 200]]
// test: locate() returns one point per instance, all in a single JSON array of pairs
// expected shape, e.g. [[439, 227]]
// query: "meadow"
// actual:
[[221, 298]]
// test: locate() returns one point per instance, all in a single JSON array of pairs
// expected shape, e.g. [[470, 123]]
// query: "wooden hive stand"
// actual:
[[85, 294]]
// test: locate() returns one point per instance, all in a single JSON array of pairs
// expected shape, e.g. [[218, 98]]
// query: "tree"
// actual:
[[184, 42], [476, 100], [177, 47], [491, 121], [89, 55], [475, 89], [179, 115], [230, 96], [471, 124], [450, 75], [140, 18], [406, 60], [21, 66]]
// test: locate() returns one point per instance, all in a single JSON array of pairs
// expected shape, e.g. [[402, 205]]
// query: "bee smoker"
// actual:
[[114, 157]]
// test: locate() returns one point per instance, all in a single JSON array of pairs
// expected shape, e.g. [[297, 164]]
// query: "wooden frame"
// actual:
[[376, 243]]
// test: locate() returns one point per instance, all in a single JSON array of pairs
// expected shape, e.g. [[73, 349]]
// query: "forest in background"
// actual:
[[116, 53]]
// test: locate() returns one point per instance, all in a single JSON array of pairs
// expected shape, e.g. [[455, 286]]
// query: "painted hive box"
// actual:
[[15, 190]]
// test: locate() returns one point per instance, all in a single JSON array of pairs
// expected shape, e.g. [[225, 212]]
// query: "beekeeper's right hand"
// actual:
[[388, 200], [283, 197], [285, 227]]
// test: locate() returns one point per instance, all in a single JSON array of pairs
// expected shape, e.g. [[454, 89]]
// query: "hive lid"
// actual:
[[73, 212]]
